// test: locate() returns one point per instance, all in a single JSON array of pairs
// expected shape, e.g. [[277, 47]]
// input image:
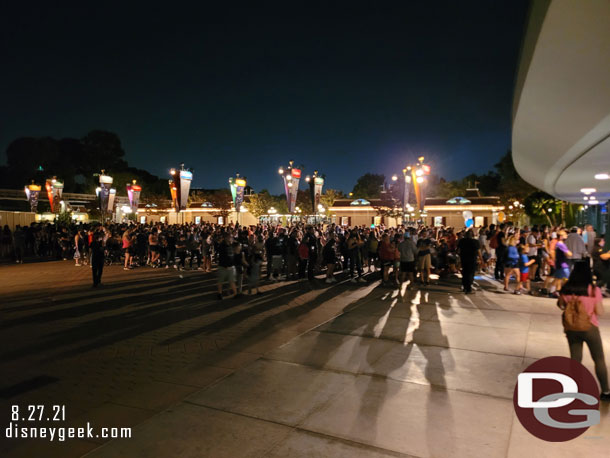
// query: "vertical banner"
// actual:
[[31, 192], [294, 189], [133, 193], [55, 190], [111, 197], [104, 193], [233, 187], [240, 185], [185, 186], [173, 190]]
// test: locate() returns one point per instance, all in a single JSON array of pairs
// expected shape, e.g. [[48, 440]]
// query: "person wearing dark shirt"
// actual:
[[97, 248], [226, 265], [469, 250], [311, 241]]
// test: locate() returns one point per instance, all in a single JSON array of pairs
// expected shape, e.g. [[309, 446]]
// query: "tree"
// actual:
[[102, 150], [368, 186], [304, 202], [260, 203], [510, 184], [540, 204], [222, 200], [328, 199]]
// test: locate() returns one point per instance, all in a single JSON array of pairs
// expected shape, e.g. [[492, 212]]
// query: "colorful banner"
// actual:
[[104, 193], [31, 192], [173, 190], [133, 193], [233, 187], [315, 187], [294, 189], [111, 197], [55, 190], [238, 198], [185, 186]]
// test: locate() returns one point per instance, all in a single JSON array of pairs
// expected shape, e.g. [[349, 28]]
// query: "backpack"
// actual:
[[303, 251], [575, 316], [493, 242]]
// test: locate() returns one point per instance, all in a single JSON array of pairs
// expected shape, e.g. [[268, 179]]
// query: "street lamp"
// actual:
[[415, 175]]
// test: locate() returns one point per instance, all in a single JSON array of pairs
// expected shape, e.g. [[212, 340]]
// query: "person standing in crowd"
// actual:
[[424, 258], [372, 245], [19, 244], [153, 245], [576, 245], [354, 244], [562, 267], [525, 263], [226, 265], [408, 255], [533, 245], [292, 255], [127, 249], [78, 249], [207, 248], [501, 249], [601, 263], [589, 236], [98, 255], [579, 291], [329, 256], [511, 264], [311, 241], [194, 247], [469, 251], [386, 257], [181, 244], [257, 248]]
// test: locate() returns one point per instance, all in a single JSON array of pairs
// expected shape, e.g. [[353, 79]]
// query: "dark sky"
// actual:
[[343, 89]]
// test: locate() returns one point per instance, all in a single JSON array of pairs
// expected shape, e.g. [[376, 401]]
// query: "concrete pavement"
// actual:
[[300, 371]]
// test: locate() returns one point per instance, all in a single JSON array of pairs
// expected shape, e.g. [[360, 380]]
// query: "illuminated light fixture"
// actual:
[[602, 176], [420, 179], [419, 172], [394, 178], [289, 184], [281, 171], [588, 190], [550, 210], [516, 203], [510, 207], [586, 198], [594, 202]]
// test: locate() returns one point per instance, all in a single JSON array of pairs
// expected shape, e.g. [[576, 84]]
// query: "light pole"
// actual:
[[316, 182], [415, 175]]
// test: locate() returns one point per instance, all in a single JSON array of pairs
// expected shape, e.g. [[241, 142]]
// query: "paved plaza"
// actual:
[[301, 370]]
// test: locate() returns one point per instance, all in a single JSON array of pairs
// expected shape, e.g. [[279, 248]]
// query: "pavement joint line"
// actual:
[[303, 429], [444, 322], [419, 345], [384, 377]]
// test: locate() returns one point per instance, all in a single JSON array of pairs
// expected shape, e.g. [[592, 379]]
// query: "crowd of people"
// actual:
[[538, 259]]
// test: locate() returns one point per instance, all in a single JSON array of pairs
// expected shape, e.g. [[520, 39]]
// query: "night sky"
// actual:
[[342, 89]]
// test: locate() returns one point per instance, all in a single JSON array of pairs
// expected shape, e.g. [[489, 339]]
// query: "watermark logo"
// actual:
[[556, 399]]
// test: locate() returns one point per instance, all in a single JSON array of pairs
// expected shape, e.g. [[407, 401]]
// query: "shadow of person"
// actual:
[[377, 387], [433, 344]]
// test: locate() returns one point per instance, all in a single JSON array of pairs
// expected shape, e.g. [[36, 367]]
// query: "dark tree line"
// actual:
[[75, 161]]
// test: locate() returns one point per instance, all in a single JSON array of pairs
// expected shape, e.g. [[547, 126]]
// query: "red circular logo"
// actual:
[[556, 399]]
